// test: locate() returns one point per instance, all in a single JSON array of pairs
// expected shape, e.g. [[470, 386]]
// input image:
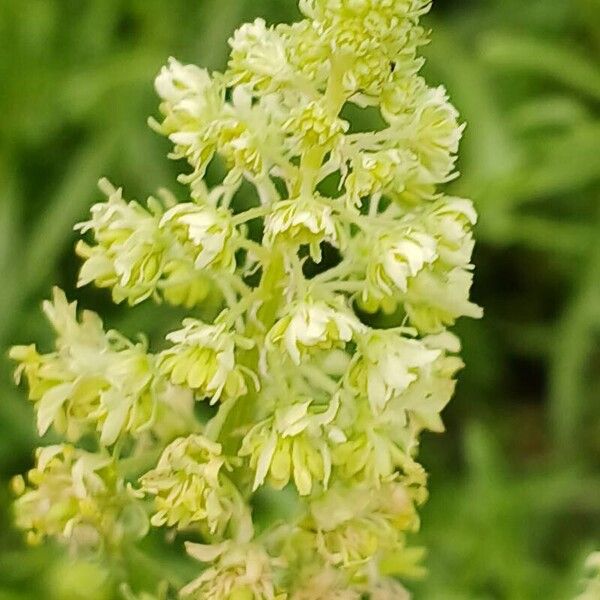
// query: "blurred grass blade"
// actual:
[[83, 91], [561, 164], [572, 346], [544, 58], [549, 112], [54, 226], [548, 235], [224, 16], [62, 212], [10, 235]]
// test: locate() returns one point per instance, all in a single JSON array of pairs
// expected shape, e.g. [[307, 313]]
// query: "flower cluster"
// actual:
[[294, 442], [190, 487], [75, 496], [143, 252], [306, 394], [239, 571], [203, 359], [97, 381]]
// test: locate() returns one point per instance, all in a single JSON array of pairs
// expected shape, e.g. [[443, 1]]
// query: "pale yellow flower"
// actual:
[[129, 254], [302, 222], [387, 363], [190, 487], [207, 231], [295, 443], [203, 358], [312, 325], [238, 572], [73, 495], [258, 57], [95, 380]]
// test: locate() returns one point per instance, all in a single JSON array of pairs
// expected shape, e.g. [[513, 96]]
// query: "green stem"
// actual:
[[250, 214], [235, 416], [344, 286], [335, 98], [338, 272]]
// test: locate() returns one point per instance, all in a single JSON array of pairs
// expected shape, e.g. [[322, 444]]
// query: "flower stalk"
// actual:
[[312, 400]]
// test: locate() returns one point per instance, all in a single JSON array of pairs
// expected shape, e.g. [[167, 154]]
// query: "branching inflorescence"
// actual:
[[307, 394]]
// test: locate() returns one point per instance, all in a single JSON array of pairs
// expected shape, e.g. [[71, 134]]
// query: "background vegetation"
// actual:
[[515, 482]]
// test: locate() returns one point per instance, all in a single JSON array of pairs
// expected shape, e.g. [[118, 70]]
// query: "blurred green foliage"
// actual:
[[515, 482]]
